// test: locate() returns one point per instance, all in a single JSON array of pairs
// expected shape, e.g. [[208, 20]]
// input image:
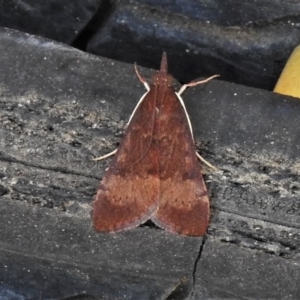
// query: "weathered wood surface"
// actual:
[[60, 107]]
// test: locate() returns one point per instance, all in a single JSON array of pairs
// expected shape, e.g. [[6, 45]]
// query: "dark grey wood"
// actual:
[[251, 48], [62, 21], [60, 107], [228, 271]]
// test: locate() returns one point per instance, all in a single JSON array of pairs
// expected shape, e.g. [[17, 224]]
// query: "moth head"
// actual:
[[162, 77]]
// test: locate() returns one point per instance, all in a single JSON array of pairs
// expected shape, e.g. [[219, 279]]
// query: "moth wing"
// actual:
[[129, 190], [183, 201]]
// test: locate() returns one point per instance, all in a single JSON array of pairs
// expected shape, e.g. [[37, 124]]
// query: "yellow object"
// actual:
[[289, 80]]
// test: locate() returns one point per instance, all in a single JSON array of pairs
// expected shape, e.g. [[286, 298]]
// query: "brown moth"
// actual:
[[155, 173]]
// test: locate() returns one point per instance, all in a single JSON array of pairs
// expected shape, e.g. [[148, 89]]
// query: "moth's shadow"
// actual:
[[150, 224]]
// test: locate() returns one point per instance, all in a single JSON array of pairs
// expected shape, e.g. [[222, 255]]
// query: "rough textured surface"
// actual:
[[229, 12], [247, 42], [59, 20], [58, 111], [60, 107], [228, 271], [52, 254], [252, 53]]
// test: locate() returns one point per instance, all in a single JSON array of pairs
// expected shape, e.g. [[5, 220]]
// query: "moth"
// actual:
[[155, 173]]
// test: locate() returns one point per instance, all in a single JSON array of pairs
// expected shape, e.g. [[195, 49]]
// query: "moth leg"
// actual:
[[105, 156], [206, 162], [193, 83]]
